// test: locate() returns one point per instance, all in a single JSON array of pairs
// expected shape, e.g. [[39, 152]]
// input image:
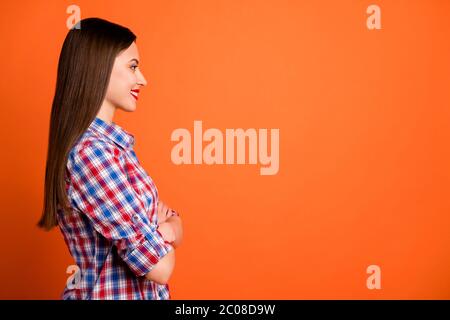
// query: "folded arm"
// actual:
[[170, 226], [175, 223], [115, 211]]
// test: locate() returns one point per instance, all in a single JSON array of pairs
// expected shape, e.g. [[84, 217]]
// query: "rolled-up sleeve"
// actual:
[[114, 208]]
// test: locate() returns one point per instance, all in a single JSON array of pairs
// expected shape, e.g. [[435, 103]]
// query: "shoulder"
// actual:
[[93, 146]]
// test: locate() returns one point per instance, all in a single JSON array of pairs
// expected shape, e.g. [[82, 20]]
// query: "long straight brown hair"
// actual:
[[84, 68]]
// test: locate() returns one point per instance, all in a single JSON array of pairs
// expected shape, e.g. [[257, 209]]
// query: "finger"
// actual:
[[159, 207], [166, 209]]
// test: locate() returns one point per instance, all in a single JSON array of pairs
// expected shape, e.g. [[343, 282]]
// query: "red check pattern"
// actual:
[[112, 230]]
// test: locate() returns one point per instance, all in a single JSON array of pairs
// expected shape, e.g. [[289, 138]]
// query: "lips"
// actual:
[[134, 93]]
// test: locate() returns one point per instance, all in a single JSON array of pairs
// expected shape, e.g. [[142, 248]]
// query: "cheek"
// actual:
[[120, 84]]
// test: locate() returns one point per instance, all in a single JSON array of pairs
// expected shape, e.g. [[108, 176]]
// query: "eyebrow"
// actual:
[[134, 59]]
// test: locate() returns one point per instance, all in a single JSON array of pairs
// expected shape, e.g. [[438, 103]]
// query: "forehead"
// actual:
[[129, 53]]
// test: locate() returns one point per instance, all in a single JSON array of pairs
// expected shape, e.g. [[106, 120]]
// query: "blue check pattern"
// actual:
[[112, 230]]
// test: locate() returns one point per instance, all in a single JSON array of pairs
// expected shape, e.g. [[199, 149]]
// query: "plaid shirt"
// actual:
[[112, 229]]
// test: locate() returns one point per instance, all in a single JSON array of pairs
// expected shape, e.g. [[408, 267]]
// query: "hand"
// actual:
[[167, 232], [163, 211]]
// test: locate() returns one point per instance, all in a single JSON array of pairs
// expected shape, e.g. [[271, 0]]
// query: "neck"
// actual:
[[106, 112]]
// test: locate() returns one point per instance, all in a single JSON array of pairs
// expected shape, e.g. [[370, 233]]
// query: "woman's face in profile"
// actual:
[[126, 80]]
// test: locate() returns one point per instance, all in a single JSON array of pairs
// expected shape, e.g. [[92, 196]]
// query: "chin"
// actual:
[[129, 108]]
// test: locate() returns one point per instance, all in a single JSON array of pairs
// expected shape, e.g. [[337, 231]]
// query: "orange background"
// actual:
[[364, 159]]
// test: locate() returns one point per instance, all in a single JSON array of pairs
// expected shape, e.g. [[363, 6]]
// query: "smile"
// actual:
[[134, 93]]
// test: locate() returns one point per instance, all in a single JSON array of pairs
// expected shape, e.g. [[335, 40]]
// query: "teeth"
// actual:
[[134, 94]]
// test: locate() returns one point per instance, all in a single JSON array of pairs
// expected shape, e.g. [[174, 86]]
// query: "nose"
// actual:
[[141, 79]]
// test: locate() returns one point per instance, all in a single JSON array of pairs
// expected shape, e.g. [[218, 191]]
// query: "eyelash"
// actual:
[[134, 67]]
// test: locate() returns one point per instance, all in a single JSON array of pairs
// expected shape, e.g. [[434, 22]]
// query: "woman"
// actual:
[[121, 236]]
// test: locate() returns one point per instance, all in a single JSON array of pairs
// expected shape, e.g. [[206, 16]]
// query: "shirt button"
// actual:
[[135, 217]]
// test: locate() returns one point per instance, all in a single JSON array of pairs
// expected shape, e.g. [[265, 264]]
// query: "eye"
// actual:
[[134, 67]]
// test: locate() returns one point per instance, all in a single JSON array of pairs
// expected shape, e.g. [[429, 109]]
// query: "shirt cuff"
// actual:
[[143, 258]]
